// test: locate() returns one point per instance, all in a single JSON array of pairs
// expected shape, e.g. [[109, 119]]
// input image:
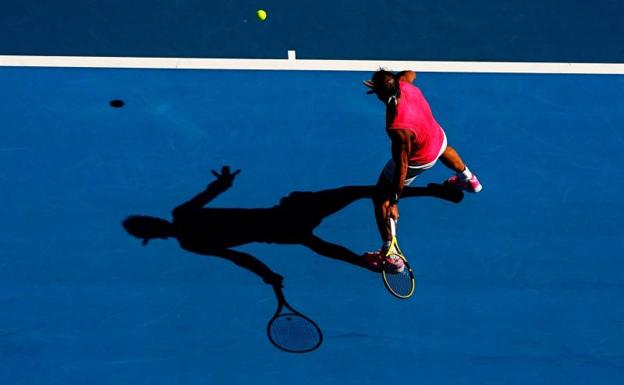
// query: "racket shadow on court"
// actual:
[[216, 231]]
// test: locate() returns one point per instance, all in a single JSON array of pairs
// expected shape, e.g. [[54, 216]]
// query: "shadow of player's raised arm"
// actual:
[[221, 184]]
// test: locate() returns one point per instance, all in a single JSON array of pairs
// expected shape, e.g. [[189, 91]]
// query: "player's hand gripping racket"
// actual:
[[399, 281], [290, 330]]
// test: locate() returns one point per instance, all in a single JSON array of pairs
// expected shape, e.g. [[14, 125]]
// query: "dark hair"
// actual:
[[146, 227], [385, 85]]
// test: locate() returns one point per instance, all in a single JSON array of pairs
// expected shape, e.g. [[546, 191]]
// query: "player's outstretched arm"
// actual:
[[401, 148], [222, 183]]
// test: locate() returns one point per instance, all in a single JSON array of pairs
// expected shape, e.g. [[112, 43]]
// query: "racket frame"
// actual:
[[281, 304], [394, 249]]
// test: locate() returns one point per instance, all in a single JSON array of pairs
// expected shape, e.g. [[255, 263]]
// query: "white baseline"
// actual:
[[294, 64]]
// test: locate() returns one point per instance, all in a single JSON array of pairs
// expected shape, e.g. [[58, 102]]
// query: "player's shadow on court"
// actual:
[[215, 231]]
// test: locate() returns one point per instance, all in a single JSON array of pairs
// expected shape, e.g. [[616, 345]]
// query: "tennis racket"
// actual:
[[400, 283], [290, 330]]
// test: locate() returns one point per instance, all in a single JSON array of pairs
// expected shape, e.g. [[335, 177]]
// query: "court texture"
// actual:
[[519, 284]]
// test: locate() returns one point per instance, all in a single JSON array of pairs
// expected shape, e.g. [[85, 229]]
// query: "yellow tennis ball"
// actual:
[[261, 14]]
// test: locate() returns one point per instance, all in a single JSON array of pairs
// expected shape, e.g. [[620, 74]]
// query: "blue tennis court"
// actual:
[[519, 284]]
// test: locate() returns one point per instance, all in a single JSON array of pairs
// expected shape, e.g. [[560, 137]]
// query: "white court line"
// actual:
[[292, 63]]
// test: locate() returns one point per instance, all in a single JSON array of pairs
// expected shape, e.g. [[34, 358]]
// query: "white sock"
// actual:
[[465, 175]]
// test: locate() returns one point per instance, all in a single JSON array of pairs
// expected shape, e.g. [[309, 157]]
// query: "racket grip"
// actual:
[[392, 226]]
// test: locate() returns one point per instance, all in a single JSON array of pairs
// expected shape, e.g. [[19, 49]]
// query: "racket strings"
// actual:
[[294, 333], [399, 280], [400, 283]]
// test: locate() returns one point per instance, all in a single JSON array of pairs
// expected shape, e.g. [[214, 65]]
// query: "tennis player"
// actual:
[[418, 142]]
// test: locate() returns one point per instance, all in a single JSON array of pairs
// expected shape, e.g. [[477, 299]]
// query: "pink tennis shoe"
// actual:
[[471, 185], [375, 259], [395, 265]]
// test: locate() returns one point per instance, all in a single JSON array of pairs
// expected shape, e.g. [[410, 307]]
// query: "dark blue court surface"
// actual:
[[481, 30], [520, 284]]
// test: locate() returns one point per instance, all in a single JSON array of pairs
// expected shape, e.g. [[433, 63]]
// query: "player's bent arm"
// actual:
[[401, 146], [407, 76]]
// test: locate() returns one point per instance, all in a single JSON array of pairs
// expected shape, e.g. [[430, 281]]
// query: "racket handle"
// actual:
[[279, 294], [392, 227]]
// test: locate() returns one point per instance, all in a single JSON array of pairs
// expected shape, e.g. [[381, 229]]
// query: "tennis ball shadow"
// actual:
[[116, 103]]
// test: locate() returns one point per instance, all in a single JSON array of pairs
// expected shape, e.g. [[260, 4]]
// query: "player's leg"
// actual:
[[383, 192], [334, 251], [463, 178], [451, 159], [381, 202]]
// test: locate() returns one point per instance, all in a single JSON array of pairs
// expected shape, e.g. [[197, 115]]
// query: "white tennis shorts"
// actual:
[[413, 170]]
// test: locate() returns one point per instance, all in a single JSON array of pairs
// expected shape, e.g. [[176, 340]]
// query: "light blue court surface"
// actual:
[[521, 284]]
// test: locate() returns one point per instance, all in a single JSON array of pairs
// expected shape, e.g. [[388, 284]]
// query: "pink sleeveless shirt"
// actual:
[[414, 114]]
